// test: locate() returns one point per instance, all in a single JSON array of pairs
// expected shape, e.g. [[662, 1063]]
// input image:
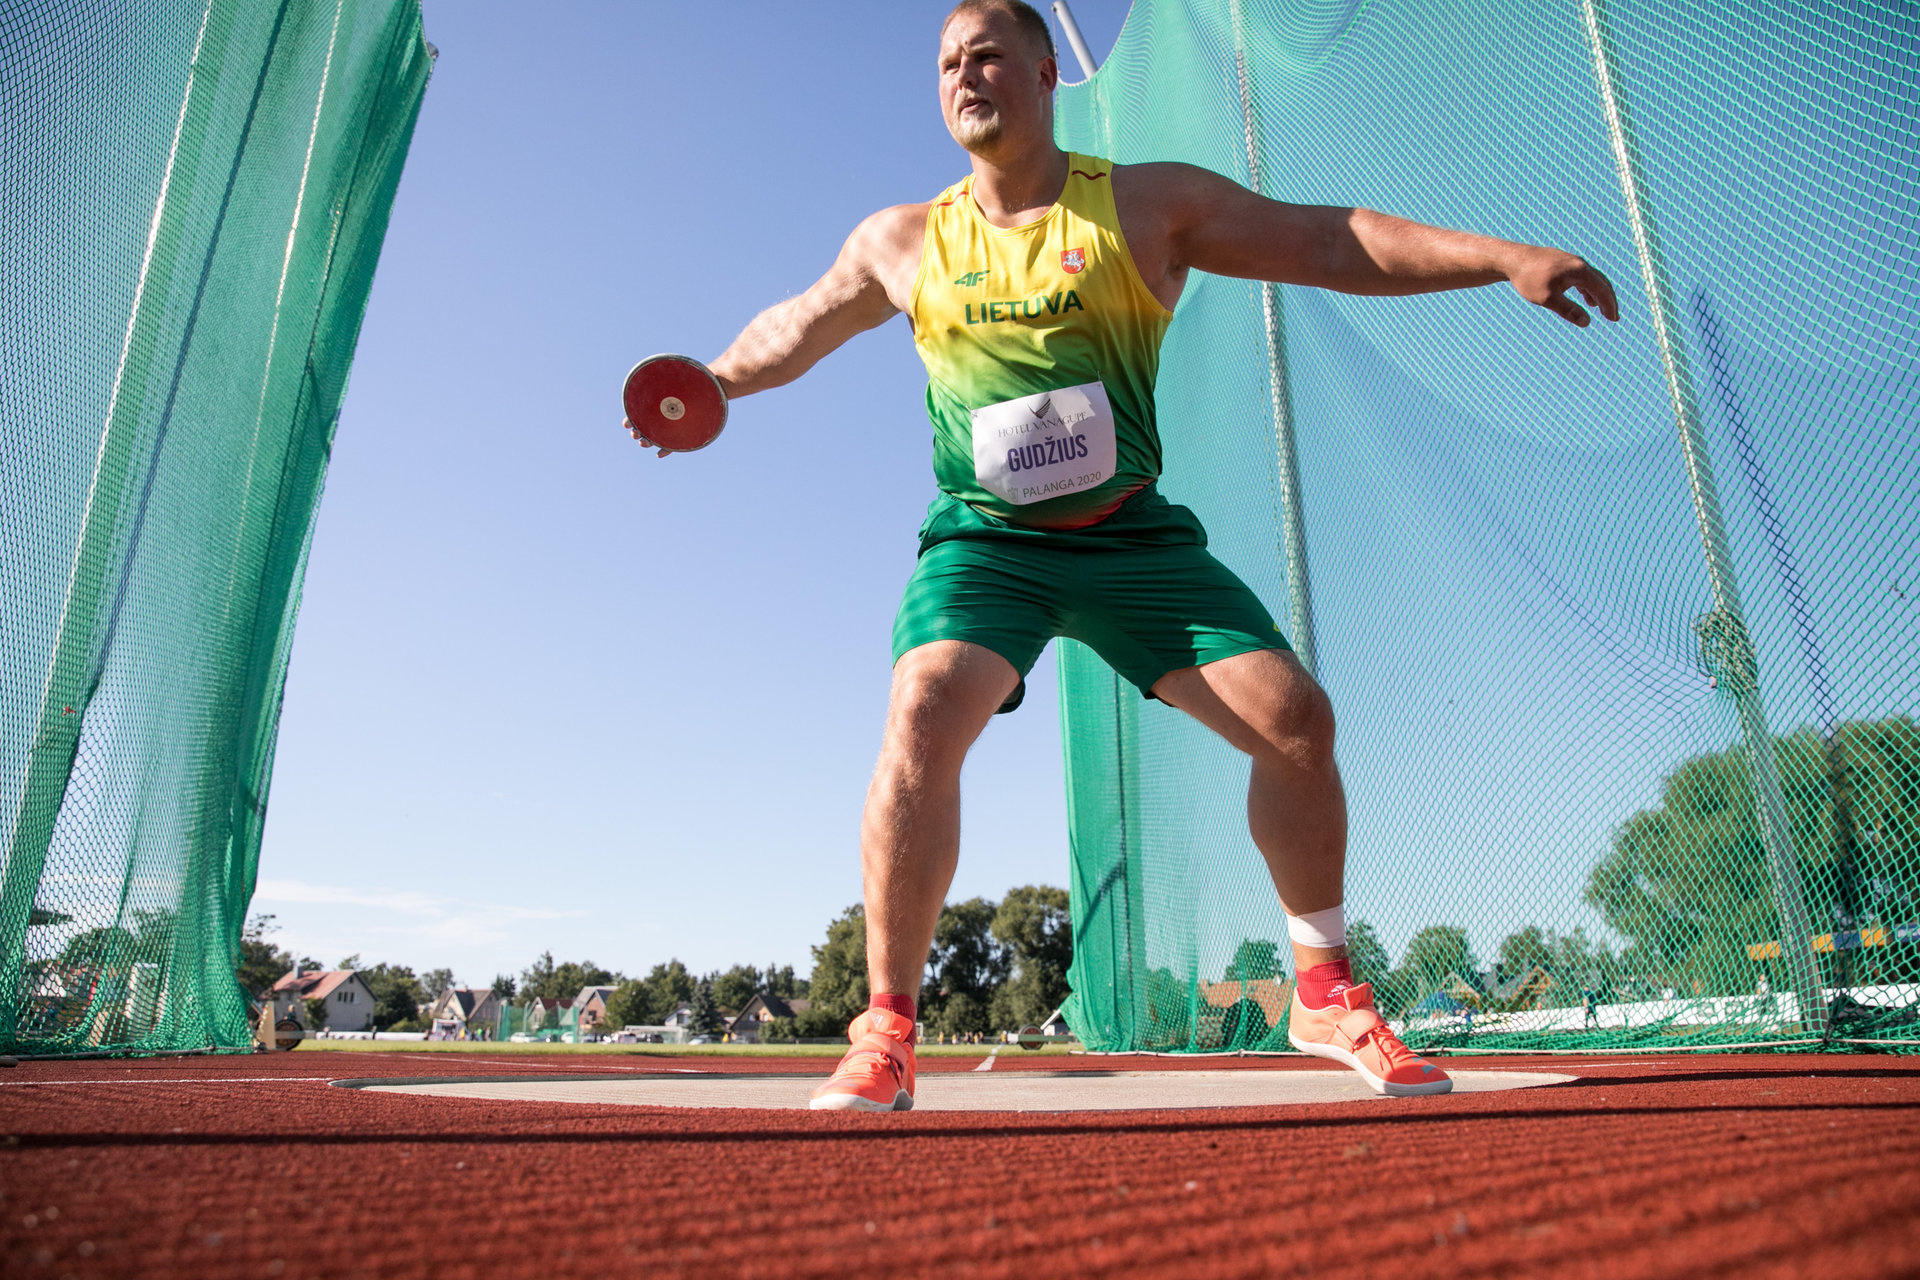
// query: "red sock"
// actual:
[[902, 1005], [1320, 984]]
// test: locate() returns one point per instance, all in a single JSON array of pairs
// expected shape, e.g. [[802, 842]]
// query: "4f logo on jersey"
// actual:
[[971, 279], [1073, 261]]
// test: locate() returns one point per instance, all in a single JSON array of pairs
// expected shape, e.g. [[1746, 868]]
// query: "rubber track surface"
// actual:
[[212, 1168]]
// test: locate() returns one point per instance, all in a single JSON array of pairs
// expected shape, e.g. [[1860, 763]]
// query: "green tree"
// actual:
[[1581, 965], [1524, 950], [115, 948], [100, 948], [316, 1013], [1034, 925], [1169, 1010], [781, 982], [732, 989], [1434, 954], [703, 1013], [1368, 957], [838, 987], [552, 981], [1573, 962], [260, 963], [1253, 958], [965, 967], [537, 979], [1689, 884], [396, 994], [434, 982], [505, 987], [646, 1002]]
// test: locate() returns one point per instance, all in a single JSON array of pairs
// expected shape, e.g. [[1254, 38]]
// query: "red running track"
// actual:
[[223, 1167]]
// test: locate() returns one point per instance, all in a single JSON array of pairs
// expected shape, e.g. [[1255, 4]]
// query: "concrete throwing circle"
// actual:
[[952, 1090]]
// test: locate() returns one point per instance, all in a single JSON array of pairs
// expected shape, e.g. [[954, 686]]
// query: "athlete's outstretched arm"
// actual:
[[1211, 223], [855, 295]]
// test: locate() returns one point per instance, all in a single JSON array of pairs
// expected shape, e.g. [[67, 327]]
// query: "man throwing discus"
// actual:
[[1038, 289]]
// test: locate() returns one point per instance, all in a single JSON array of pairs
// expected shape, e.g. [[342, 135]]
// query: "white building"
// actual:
[[348, 1001]]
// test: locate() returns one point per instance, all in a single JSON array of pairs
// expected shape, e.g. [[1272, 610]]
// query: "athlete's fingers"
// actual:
[[1567, 309], [640, 439], [1598, 291]]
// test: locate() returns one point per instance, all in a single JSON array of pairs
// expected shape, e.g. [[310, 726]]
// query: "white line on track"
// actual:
[[532, 1066], [987, 1065], [1620, 1064], [23, 1084]]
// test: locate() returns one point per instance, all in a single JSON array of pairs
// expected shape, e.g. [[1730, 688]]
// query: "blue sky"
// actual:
[[551, 693]]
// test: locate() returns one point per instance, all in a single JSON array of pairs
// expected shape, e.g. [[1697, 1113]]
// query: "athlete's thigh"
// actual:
[[992, 594], [1154, 610], [1253, 700], [948, 689]]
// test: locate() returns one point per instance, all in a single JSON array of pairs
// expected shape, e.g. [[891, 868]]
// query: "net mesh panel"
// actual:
[[1629, 747], [192, 200]]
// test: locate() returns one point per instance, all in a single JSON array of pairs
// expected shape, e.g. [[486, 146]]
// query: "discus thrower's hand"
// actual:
[[635, 433], [1543, 277]]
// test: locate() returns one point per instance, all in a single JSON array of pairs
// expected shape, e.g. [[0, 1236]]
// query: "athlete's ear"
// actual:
[[1049, 74]]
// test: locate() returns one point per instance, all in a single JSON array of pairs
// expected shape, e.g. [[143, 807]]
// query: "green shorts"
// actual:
[[1140, 589]]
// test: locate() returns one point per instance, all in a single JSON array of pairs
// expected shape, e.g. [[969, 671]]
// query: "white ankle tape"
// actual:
[[1324, 929]]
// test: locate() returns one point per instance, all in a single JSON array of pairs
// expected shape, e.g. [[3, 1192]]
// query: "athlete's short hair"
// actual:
[[1028, 18]]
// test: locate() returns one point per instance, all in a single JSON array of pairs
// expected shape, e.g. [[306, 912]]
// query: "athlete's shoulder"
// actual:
[[951, 196], [1164, 178], [1164, 196], [886, 247], [894, 220], [894, 230]]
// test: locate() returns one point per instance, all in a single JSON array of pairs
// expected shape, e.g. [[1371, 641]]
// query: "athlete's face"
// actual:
[[995, 87]]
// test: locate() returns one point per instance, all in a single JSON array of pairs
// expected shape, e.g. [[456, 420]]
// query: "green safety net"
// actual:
[[1621, 625], [193, 195]]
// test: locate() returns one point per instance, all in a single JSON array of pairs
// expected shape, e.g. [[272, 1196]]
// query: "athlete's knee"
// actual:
[[942, 698], [1299, 724]]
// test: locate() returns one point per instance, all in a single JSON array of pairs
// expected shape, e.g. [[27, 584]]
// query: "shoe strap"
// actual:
[[1356, 1025], [895, 1053]]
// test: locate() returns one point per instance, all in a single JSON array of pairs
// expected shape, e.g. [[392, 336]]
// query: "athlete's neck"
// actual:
[[1016, 189]]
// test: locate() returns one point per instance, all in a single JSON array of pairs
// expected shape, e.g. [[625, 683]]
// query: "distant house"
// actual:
[[550, 1013], [1525, 990], [681, 1016], [1437, 1004], [474, 1012], [591, 1008], [348, 1001], [1467, 990], [763, 1008]]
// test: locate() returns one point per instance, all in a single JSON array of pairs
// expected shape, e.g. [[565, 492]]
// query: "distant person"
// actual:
[[1038, 290]]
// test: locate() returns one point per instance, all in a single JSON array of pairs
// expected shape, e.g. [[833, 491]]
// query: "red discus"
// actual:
[[676, 402]]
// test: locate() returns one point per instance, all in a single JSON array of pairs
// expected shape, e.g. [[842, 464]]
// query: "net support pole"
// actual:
[[1724, 631], [1293, 516], [1075, 41]]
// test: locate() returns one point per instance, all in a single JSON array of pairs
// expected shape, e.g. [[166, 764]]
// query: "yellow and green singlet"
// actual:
[[1042, 344]]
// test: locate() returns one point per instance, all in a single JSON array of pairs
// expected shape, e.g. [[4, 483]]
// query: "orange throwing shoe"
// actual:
[[877, 1072], [1349, 1030]]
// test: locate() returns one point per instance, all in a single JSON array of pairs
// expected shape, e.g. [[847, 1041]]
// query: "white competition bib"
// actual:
[[1045, 445]]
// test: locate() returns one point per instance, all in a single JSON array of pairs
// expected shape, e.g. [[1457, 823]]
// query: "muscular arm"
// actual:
[[865, 287], [1192, 218]]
